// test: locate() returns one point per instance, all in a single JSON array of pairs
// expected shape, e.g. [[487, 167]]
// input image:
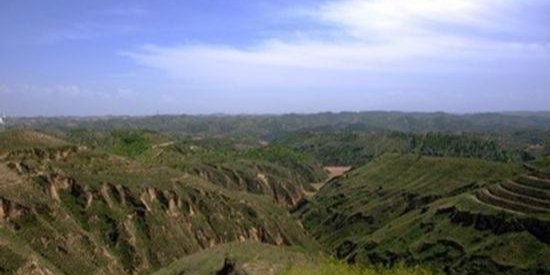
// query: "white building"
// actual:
[[1, 120]]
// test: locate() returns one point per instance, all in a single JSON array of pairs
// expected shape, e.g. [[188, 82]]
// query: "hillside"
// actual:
[[357, 148], [248, 258], [73, 210], [462, 215], [278, 171], [260, 259]]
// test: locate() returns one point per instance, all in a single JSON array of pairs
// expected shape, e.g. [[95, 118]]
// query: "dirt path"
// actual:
[[160, 145], [333, 172], [336, 171]]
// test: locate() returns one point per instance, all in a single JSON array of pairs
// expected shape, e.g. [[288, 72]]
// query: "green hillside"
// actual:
[[278, 171], [249, 258], [80, 211], [261, 259], [438, 211], [357, 148]]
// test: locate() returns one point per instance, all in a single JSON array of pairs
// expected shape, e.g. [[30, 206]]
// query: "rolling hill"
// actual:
[[383, 192], [461, 215], [72, 210], [275, 170]]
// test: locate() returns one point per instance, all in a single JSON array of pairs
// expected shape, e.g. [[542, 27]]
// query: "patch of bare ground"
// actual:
[[165, 144], [535, 146], [333, 172], [336, 171], [32, 267]]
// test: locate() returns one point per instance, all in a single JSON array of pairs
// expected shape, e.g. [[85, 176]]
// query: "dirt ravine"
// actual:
[[333, 172], [336, 171]]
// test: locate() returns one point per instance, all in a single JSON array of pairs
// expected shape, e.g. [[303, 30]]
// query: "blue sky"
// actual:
[[103, 57]]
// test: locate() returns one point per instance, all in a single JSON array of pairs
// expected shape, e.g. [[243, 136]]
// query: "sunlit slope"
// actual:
[[27, 139], [433, 211], [276, 171], [78, 211]]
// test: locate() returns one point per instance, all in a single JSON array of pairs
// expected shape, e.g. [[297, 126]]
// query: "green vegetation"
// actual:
[[332, 267], [13, 140], [428, 210], [250, 127], [357, 148], [128, 143], [10, 261], [261, 259], [132, 145], [252, 195], [88, 211], [250, 258]]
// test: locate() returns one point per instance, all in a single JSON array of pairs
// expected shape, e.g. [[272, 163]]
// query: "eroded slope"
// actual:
[[71, 210]]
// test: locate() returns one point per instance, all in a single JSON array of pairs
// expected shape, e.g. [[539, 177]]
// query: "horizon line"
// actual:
[[251, 114]]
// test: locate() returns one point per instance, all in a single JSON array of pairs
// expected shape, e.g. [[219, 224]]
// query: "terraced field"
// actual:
[[528, 194], [456, 214]]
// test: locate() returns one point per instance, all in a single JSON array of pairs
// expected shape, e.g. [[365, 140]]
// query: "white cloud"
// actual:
[[372, 36], [365, 18]]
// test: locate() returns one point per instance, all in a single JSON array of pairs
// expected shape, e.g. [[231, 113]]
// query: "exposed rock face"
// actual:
[[45, 154], [84, 214], [32, 267], [10, 211], [283, 186]]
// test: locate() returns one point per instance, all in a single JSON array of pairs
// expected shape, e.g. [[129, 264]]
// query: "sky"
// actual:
[[132, 57]]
